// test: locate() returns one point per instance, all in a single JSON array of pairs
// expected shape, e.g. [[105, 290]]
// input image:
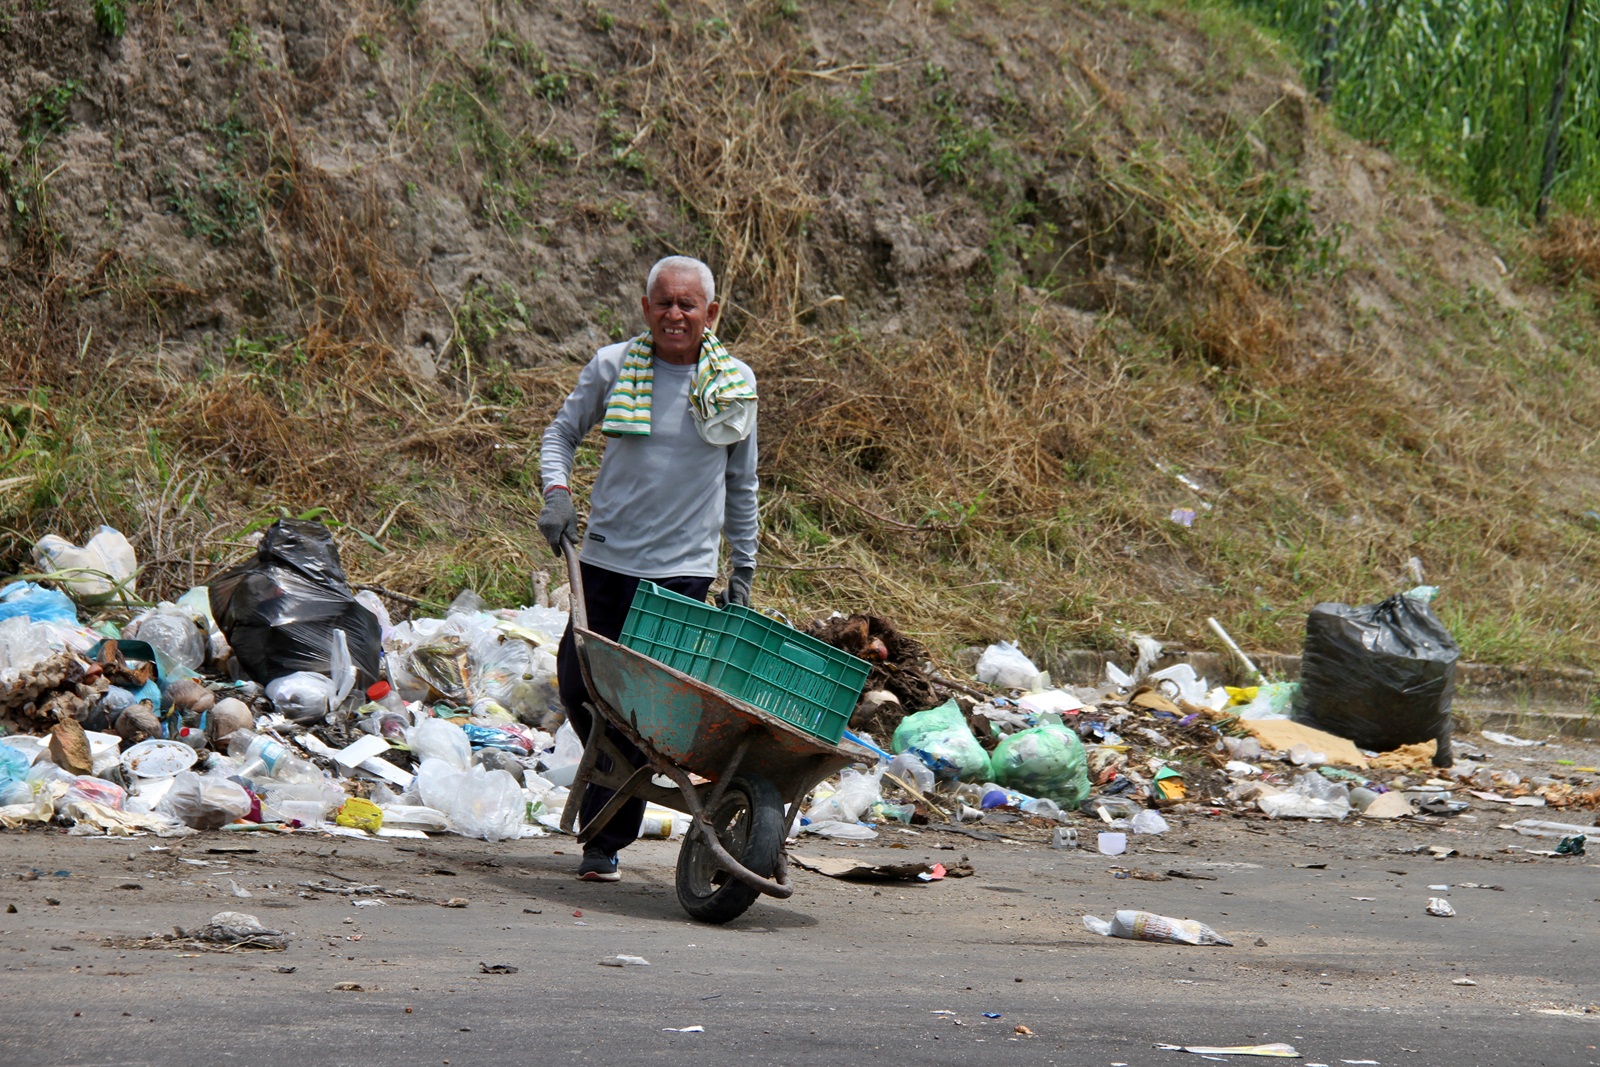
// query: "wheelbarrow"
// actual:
[[739, 772]]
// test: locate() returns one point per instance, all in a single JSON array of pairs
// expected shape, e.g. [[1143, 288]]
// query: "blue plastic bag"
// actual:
[[37, 603]]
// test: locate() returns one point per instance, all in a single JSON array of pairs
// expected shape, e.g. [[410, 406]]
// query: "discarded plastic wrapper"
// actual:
[[1004, 665], [1277, 1049], [1147, 926], [1169, 784], [624, 961], [1571, 846], [856, 793], [1541, 828], [841, 831], [1509, 740], [1440, 907]]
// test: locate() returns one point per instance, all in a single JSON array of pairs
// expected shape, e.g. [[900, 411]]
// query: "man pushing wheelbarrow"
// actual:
[[679, 470]]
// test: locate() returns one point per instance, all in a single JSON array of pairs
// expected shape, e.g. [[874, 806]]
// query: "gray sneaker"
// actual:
[[597, 866]]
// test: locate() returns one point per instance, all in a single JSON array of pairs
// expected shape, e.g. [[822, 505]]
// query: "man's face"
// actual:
[[677, 312]]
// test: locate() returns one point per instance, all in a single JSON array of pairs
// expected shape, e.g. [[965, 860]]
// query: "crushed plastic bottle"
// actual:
[[260, 756]]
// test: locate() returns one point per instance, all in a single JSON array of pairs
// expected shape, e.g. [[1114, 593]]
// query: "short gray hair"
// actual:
[[675, 263]]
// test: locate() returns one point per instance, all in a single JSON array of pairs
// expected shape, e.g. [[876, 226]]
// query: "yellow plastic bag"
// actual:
[[360, 814]]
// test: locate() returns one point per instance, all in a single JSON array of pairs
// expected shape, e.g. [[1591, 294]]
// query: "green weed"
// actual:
[[111, 16]]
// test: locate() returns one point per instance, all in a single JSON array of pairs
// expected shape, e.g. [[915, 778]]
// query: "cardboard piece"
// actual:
[[1280, 735], [855, 871], [1417, 757], [1389, 806]]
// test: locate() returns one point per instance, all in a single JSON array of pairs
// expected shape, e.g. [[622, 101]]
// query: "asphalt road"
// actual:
[[843, 974]]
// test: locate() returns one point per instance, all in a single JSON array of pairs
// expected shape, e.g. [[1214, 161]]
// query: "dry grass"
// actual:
[[1570, 250]]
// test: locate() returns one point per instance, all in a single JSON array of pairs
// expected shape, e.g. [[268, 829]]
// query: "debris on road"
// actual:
[[1441, 907], [624, 961], [227, 931], [1277, 1049], [1147, 926], [855, 871]]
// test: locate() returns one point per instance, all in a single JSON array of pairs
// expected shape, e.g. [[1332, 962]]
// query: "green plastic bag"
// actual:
[[1046, 761], [941, 738]]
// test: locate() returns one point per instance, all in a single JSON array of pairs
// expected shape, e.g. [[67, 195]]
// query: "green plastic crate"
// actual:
[[804, 682], [673, 629]]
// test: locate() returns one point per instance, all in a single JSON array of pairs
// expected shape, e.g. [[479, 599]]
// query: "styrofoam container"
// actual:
[[156, 758]]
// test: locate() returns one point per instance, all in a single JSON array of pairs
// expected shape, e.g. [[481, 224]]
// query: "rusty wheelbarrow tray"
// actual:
[[740, 772]]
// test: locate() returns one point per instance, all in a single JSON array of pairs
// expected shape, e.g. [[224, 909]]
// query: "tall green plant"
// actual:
[[1465, 86]]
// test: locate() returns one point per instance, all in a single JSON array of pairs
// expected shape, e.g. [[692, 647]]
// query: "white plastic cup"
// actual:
[[1113, 843]]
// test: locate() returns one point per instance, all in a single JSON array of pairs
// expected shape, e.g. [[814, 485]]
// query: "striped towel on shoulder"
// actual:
[[628, 406], [718, 383]]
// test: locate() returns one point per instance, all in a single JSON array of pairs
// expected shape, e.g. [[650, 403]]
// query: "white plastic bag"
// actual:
[[478, 803], [856, 793], [172, 631], [204, 803], [1148, 822], [373, 603], [23, 644], [568, 749], [341, 670], [303, 696], [1310, 796], [440, 740], [104, 564], [1004, 665]]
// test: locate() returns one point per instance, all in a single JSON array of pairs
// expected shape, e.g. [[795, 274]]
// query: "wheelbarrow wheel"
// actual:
[[748, 821]]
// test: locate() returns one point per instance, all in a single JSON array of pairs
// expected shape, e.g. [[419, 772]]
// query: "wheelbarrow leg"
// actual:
[[580, 777], [623, 794]]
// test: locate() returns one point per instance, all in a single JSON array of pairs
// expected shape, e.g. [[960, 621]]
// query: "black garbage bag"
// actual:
[[280, 610], [1381, 675]]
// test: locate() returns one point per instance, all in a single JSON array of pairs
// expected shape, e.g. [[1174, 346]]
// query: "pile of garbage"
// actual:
[[277, 698], [274, 698], [1149, 745]]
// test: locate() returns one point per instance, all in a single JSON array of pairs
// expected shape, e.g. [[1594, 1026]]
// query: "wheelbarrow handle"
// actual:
[[580, 612]]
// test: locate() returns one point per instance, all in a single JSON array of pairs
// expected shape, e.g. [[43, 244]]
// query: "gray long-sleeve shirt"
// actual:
[[659, 501]]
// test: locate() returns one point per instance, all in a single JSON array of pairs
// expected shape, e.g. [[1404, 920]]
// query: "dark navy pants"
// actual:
[[607, 595]]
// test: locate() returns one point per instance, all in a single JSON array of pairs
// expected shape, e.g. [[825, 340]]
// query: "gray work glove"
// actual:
[[558, 520], [738, 591]]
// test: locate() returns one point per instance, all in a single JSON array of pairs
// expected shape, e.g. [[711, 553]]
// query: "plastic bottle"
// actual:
[[260, 756], [382, 693]]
